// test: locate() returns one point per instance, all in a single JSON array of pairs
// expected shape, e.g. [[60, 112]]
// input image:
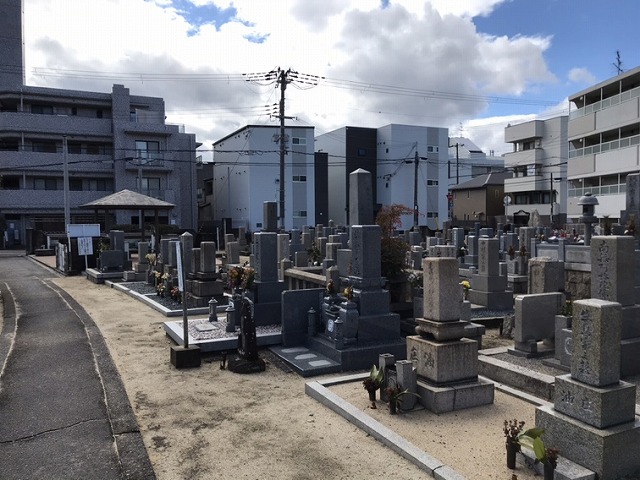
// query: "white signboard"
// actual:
[[85, 246], [179, 262], [83, 230]]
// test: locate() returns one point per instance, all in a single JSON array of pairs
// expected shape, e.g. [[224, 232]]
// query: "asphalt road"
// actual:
[[64, 413]]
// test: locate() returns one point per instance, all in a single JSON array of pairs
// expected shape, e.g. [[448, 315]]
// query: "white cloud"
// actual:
[[432, 46], [581, 76]]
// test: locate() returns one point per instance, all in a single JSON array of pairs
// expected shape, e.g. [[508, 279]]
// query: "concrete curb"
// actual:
[[8, 330], [318, 390]]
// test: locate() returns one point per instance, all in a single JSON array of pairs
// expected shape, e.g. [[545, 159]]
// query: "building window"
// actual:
[[300, 213], [42, 109], [362, 152], [74, 147], [9, 182], [44, 146], [299, 178], [99, 113], [431, 183], [432, 149], [145, 149], [45, 184], [75, 184], [299, 141], [150, 183], [101, 185], [533, 170]]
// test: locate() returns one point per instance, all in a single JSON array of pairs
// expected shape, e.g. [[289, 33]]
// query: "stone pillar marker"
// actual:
[[545, 275], [186, 239], [488, 287], [270, 217], [613, 279], [360, 198], [207, 257], [266, 257], [446, 362]]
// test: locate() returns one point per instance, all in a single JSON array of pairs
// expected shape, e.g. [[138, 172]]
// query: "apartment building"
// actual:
[[538, 164], [64, 148], [246, 173], [347, 149], [390, 153], [604, 142]]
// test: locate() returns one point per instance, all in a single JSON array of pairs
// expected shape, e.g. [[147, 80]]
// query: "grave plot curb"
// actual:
[[318, 390]]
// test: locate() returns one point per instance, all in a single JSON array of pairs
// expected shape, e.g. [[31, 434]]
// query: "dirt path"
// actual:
[[210, 423]]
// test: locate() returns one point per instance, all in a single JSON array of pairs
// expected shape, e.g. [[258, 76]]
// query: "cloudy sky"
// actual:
[[470, 65]]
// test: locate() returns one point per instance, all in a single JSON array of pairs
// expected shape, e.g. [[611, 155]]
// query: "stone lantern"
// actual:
[[588, 216]]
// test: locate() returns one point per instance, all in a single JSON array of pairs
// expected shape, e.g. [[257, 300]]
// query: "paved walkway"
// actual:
[[63, 409]]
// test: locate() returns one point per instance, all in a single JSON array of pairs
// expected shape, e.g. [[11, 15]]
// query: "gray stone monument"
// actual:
[[360, 198], [267, 288], [613, 279], [592, 421], [488, 286], [447, 363], [270, 217]]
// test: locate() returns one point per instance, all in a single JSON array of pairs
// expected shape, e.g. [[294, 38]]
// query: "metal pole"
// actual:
[[415, 191], [282, 80], [551, 200], [67, 208], [140, 219]]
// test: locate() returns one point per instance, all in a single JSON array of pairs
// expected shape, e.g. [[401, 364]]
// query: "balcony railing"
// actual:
[[607, 102], [599, 191], [605, 147]]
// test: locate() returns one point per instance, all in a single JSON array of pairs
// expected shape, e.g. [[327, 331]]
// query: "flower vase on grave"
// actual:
[[548, 471], [512, 450]]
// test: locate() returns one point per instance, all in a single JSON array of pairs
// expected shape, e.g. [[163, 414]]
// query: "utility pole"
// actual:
[[282, 80], [551, 199], [415, 190], [67, 207], [457, 145]]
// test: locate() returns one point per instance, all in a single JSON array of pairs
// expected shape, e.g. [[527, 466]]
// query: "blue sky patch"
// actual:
[[198, 16]]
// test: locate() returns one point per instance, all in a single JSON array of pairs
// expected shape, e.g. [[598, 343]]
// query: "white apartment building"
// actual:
[[246, 173], [538, 164], [398, 178], [604, 142]]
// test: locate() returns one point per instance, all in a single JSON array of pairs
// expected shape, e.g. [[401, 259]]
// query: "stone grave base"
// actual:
[[532, 349], [443, 363], [517, 283], [267, 313], [492, 300], [238, 364], [133, 276], [455, 397], [629, 354], [611, 405], [604, 451], [359, 356], [96, 276]]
